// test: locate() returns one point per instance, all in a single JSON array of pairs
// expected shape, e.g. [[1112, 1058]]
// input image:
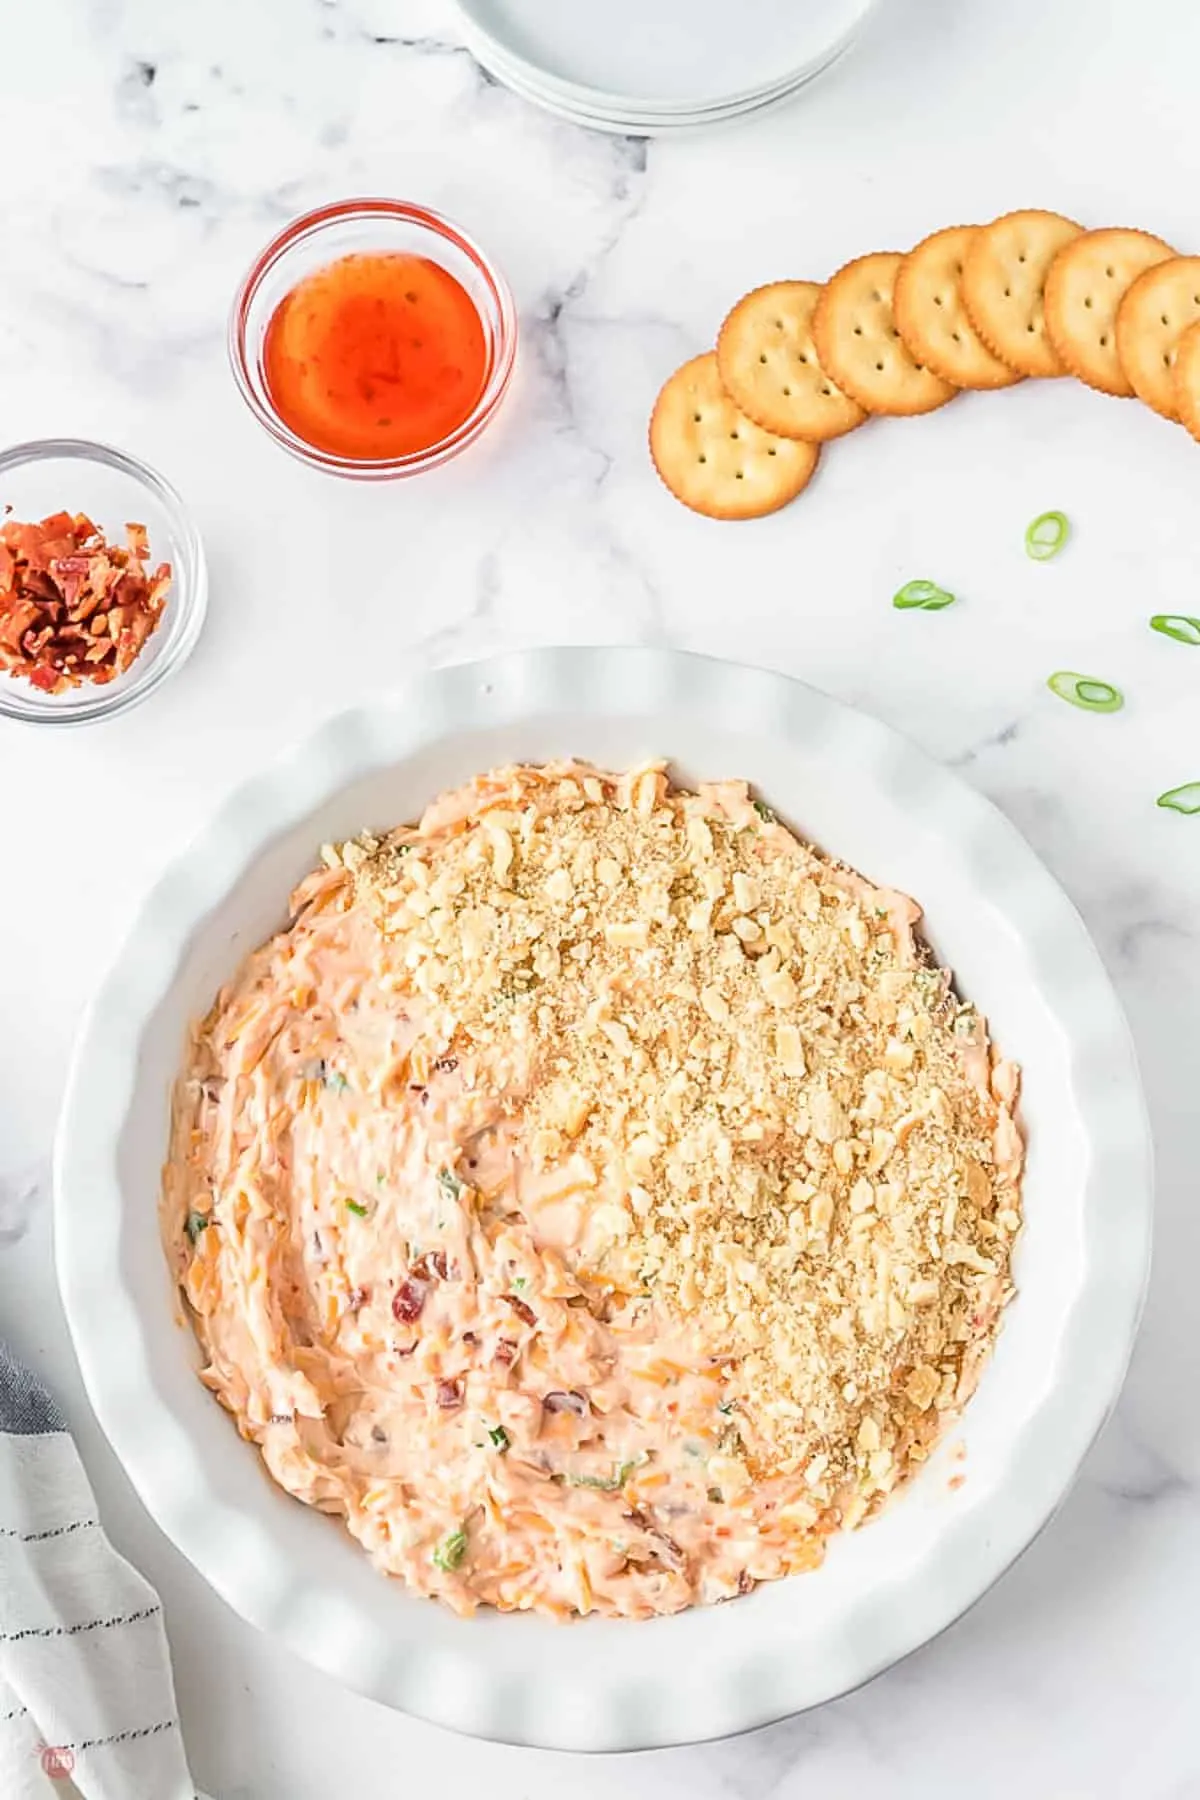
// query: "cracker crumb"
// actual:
[[807, 1137]]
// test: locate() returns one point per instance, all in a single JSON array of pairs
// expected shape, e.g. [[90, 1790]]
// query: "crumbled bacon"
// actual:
[[524, 1312], [449, 1395], [506, 1351], [432, 1263], [74, 607], [408, 1300]]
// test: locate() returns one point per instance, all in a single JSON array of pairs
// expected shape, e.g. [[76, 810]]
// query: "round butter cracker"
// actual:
[[1085, 285], [1186, 378], [932, 318], [1155, 312], [769, 366], [1003, 279], [855, 332], [715, 459]]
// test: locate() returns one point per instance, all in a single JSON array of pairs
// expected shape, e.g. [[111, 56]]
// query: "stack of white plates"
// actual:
[[652, 67]]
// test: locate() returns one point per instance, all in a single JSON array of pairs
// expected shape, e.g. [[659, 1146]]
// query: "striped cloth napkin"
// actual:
[[87, 1704]]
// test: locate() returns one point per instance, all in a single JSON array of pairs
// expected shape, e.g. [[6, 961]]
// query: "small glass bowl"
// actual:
[[354, 227], [71, 475]]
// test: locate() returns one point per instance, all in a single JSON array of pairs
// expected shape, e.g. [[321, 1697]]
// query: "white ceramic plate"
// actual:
[[677, 56], [635, 127], [586, 103], [993, 914], [627, 123]]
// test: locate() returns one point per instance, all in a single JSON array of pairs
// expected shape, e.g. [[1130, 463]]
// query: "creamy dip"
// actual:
[[428, 1188]]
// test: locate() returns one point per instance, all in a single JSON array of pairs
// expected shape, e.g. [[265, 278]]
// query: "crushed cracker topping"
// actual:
[[794, 1127]]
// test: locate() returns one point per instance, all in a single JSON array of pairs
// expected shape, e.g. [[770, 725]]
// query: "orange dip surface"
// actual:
[[375, 356]]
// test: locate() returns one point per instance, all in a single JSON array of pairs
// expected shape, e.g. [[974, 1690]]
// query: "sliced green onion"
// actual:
[[1086, 691], [1185, 799], [450, 1552], [608, 1484], [924, 596], [337, 1081], [499, 1437], [1046, 536], [520, 1281], [196, 1223], [449, 1184], [763, 811], [354, 1207], [1180, 626]]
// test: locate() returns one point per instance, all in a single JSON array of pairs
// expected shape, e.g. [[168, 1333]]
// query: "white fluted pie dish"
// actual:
[[993, 914]]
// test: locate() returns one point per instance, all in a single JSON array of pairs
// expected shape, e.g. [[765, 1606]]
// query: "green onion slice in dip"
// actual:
[[1086, 691], [354, 1207], [1180, 626], [1185, 799], [922, 596], [608, 1484], [196, 1223], [1046, 536], [450, 1552]]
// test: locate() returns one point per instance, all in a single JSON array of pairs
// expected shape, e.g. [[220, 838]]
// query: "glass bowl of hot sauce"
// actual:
[[373, 338]]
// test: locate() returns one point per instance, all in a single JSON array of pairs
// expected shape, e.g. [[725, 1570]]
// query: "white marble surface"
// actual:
[[148, 150]]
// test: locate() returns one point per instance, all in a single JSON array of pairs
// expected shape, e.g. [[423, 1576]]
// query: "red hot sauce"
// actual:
[[376, 356]]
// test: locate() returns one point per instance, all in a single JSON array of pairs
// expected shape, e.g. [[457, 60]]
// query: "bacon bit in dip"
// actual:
[[449, 1395], [407, 1301], [523, 1311], [73, 607]]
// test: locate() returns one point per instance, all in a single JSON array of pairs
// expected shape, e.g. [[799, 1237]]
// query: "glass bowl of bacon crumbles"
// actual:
[[102, 582]]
